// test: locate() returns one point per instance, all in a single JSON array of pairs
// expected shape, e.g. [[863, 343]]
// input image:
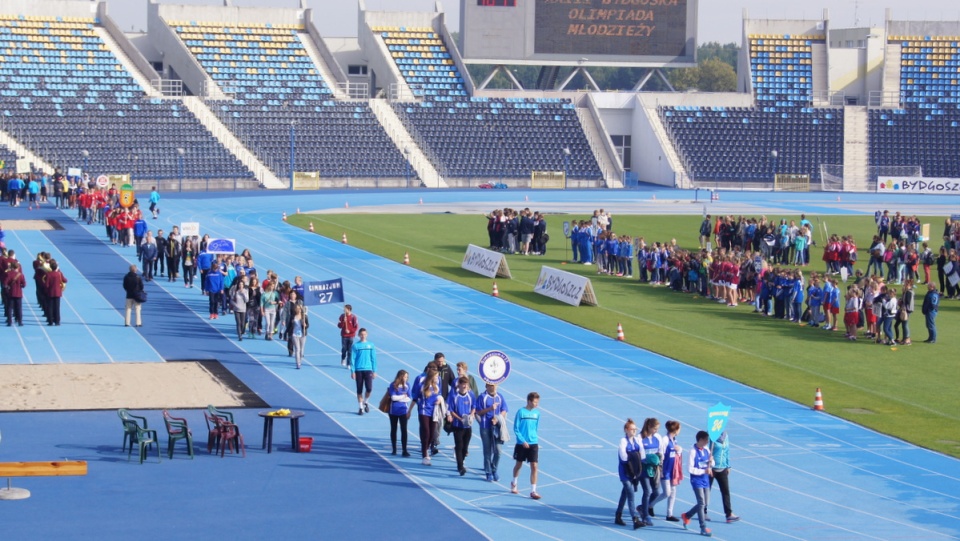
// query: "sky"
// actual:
[[719, 20]]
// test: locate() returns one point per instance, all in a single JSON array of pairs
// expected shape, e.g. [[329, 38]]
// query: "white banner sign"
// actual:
[[919, 185], [485, 262], [189, 229], [566, 287]]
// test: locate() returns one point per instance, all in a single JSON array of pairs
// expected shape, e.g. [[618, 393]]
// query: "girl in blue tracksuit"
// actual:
[[700, 464], [626, 254], [796, 296], [575, 241], [653, 447], [586, 244], [426, 397], [815, 300], [461, 403], [399, 410], [631, 457], [613, 254]]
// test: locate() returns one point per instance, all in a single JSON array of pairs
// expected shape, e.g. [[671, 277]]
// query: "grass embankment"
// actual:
[[907, 392]]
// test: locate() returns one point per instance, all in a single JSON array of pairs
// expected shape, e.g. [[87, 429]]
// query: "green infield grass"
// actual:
[[904, 391]]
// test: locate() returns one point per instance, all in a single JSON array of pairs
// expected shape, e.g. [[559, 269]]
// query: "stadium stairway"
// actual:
[[603, 152], [125, 61], [398, 133], [232, 144], [855, 148], [891, 75], [17, 148], [310, 47]]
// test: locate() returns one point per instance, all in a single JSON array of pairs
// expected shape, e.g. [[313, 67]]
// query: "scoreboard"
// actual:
[[641, 33]]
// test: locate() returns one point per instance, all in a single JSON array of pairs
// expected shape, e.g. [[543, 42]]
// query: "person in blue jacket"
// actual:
[[213, 288], [931, 304], [796, 298], [574, 241], [700, 469], [526, 426], [154, 202], [489, 406], [630, 454], [720, 451], [426, 391], [461, 408], [815, 301], [363, 369], [399, 410]]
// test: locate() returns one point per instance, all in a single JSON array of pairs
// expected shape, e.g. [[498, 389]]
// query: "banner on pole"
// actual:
[[717, 418], [485, 262], [222, 246], [325, 292], [567, 287]]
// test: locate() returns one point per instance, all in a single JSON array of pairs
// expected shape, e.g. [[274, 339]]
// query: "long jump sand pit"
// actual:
[[173, 385]]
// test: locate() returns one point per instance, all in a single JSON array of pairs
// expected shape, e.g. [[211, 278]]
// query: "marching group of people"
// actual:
[[49, 284], [653, 463]]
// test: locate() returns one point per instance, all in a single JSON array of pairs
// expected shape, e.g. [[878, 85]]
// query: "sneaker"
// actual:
[[513, 488], [426, 461], [732, 518], [685, 519], [534, 495], [648, 522], [496, 477], [650, 512], [360, 411], [433, 451], [406, 454], [706, 532], [489, 477], [463, 471], [366, 407], [672, 518], [706, 518]]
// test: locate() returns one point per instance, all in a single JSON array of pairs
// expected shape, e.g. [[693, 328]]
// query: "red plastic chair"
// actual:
[[230, 436]]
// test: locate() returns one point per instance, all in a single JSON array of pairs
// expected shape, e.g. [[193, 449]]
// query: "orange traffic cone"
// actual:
[[406, 258], [311, 227], [284, 216], [344, 239], [620, 336], [818, 400], [496, 292]]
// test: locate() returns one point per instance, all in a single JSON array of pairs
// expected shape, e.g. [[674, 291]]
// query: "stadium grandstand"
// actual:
[[240, 97]]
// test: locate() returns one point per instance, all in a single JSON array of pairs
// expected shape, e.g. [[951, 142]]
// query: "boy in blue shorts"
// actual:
[[525, 426]]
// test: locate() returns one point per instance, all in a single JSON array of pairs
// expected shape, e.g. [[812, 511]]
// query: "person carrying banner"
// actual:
[[348, 326]]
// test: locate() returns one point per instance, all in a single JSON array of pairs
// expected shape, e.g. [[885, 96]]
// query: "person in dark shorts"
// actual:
[[363, 369], [525, 426]]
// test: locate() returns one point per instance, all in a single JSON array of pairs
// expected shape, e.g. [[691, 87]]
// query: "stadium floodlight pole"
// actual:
[[406, 156], [180, 153], [293, 148], [773, 158], [566, 165]]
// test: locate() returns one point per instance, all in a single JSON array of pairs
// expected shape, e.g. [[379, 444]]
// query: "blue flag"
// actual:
[[325, 292], [717, 417]]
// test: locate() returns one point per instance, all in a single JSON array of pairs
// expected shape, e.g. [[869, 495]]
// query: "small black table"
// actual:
[[294, 417]]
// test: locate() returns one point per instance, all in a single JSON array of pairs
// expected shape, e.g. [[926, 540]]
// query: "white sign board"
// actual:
[[485, 262], [918, 185], [23, 166], [73, 172], [567, 287], [190, 229]]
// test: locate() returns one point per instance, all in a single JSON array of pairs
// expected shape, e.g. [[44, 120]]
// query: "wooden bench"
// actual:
[[36, 469]]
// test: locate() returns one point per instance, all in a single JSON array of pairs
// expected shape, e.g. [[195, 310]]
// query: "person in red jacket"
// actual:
[[13, 284], [54, 282], [348, 326]]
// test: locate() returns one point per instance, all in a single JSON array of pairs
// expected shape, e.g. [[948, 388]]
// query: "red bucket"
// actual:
[[306, 444]]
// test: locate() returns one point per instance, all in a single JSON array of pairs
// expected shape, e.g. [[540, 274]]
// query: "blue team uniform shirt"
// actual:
[[525, 425]]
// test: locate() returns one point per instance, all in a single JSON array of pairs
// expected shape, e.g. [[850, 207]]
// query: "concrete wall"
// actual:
[[856, 61], [332, 65], [125, 44], [375, 53], [923, 28]]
